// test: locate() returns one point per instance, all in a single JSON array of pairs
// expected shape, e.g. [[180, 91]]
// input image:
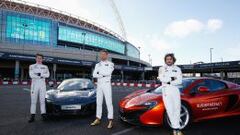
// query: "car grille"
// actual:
[[132, 117]]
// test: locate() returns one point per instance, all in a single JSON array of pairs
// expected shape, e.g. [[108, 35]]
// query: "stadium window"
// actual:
[[27, 30]]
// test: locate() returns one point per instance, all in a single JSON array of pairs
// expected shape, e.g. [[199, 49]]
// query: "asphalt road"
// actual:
[[14, 112]]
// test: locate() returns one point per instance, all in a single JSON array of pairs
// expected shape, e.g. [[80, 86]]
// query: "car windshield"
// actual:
[[184, 85], [75, 84]]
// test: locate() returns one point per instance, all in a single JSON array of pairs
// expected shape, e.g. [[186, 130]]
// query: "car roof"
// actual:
[[204, 78], [212, 78]]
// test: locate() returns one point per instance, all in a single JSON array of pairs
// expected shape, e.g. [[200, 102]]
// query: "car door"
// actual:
[[210, 102]]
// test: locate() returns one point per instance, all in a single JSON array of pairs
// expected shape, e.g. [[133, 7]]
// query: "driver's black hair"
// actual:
[[170, 55], [105, 51], [38, 54]]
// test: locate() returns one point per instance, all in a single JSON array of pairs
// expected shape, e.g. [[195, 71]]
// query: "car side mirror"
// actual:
[[203, 89], [51, 85]]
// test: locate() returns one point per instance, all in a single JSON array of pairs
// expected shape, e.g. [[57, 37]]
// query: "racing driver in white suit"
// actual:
[[103, 72], [38, 72], [171, 76]]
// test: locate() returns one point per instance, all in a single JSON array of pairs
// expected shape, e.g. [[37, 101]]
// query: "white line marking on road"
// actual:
[[26, 89], [123, 131]]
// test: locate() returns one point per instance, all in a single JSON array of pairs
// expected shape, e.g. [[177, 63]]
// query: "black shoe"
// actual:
[[32, 118], [44, 117]]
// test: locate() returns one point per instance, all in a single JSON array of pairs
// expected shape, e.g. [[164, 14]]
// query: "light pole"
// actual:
[[211, 59], [149, 59], [221, 72], [211, 55], [221, 59], [139, 48]]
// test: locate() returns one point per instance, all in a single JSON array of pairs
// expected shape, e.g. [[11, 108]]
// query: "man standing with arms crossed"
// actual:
[[38, 72], [171, 76], [103, 72]]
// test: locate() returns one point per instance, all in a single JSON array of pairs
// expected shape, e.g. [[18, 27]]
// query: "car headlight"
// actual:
[[150, 104], [47, 97], [48, 100], [90, 93]]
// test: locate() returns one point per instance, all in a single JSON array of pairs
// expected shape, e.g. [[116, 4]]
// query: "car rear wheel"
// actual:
[[184, 117]]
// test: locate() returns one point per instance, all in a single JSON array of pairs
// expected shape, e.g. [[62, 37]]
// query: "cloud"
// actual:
[[214, 24], [182, 29]]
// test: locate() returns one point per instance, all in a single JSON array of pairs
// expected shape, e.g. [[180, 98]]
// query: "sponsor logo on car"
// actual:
[[209, 105]]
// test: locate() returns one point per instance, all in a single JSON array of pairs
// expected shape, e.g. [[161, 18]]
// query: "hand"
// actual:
[[173, 78], [38, 74]]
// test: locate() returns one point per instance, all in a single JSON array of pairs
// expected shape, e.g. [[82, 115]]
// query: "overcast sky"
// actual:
[[187, 28]]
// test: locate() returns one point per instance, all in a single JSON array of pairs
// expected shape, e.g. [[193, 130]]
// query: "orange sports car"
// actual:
[[202, 99]]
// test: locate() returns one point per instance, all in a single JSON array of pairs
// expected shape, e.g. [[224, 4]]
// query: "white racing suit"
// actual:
[[170, 76], [103, 71], [38, 73]]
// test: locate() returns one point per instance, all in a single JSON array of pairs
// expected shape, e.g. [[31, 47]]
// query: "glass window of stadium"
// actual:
[[85, 37], [27, 29], [132, 51]]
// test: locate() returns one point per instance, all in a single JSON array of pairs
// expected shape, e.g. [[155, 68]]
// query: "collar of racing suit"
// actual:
[[168, 67], [38, 63], [105, 61]]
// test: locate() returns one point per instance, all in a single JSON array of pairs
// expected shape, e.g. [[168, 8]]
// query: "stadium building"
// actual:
[[69, 43]]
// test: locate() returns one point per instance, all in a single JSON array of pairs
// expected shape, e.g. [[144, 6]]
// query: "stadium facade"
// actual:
[[70, 44]]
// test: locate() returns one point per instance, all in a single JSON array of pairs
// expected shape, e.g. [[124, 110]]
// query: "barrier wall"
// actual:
[[119, 84]]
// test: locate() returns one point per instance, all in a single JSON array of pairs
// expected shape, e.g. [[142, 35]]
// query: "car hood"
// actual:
[[139, 98], [136, 93], [70, 97]]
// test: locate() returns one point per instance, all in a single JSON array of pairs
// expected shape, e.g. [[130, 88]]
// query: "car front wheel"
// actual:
[[184, 117]]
